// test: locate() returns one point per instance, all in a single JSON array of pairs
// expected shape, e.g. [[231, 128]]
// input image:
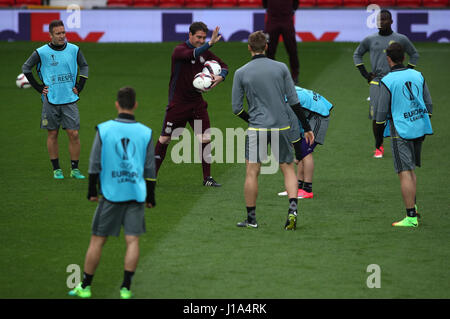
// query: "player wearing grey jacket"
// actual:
[[267, 84], [376, 45]]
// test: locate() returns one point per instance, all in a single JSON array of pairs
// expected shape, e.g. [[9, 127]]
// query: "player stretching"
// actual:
[[376, 44], [317, 110], [185, 102]]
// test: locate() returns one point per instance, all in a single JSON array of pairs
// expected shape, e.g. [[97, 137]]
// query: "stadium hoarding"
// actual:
[[172, 25]]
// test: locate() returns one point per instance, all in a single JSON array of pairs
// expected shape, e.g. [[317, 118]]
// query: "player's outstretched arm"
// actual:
[[215, 37]]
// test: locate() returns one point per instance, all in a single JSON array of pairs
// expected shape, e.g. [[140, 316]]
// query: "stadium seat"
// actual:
[[329, 3], [409, 3], [436, 3], [250, 3], [197, 3], [28, 2], [383, 3], [307, 3], [171, 3], [146, 3], [6, 3], [119, 3], [355, 3], [224, 3]]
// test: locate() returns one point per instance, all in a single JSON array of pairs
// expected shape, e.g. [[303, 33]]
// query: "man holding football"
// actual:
[[186, 104]]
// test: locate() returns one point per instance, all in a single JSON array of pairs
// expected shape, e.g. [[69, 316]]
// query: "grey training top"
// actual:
[[266, 84], [377, 44], [95, 158], [34, 59]]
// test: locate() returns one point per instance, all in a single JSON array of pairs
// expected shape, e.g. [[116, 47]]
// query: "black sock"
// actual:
[[251, 213], [87, 280], [293, 204], [378, 134], [307, 187], [411, 212], [127, 276], [300, 184], [74, 164], [55, 163]]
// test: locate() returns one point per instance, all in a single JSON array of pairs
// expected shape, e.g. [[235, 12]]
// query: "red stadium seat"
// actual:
[[120, 3], [171, 3], [329, 3], [356, 3], [224, 3], [383, 3], [146, 3], [307, 3], [197, 3], [409, 3], [6, 3], [28, 2], [250, 3], [436, 3]]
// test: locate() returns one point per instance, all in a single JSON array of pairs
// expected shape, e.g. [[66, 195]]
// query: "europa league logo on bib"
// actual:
[[410, 91], [125, 149]]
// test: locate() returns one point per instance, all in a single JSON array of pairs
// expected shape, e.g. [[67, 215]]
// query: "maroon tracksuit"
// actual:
[[185, 103], [280, 21]]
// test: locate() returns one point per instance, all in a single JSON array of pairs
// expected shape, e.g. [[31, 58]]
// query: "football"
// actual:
[[202, 81], [213, 67], [22, 81]]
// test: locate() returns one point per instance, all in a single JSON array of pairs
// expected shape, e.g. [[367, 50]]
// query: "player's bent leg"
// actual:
[[53, 151], [290, 181], [52, 143], [408, 187], [160, 150], [74, 150], [308, 172], [132, 253], [94, 253], [205, 153], [74, 144], [83, 290], [250, 194], [131, 261], [251, 183]]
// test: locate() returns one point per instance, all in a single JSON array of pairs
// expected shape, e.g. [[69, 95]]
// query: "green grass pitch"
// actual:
[[192, 248]]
